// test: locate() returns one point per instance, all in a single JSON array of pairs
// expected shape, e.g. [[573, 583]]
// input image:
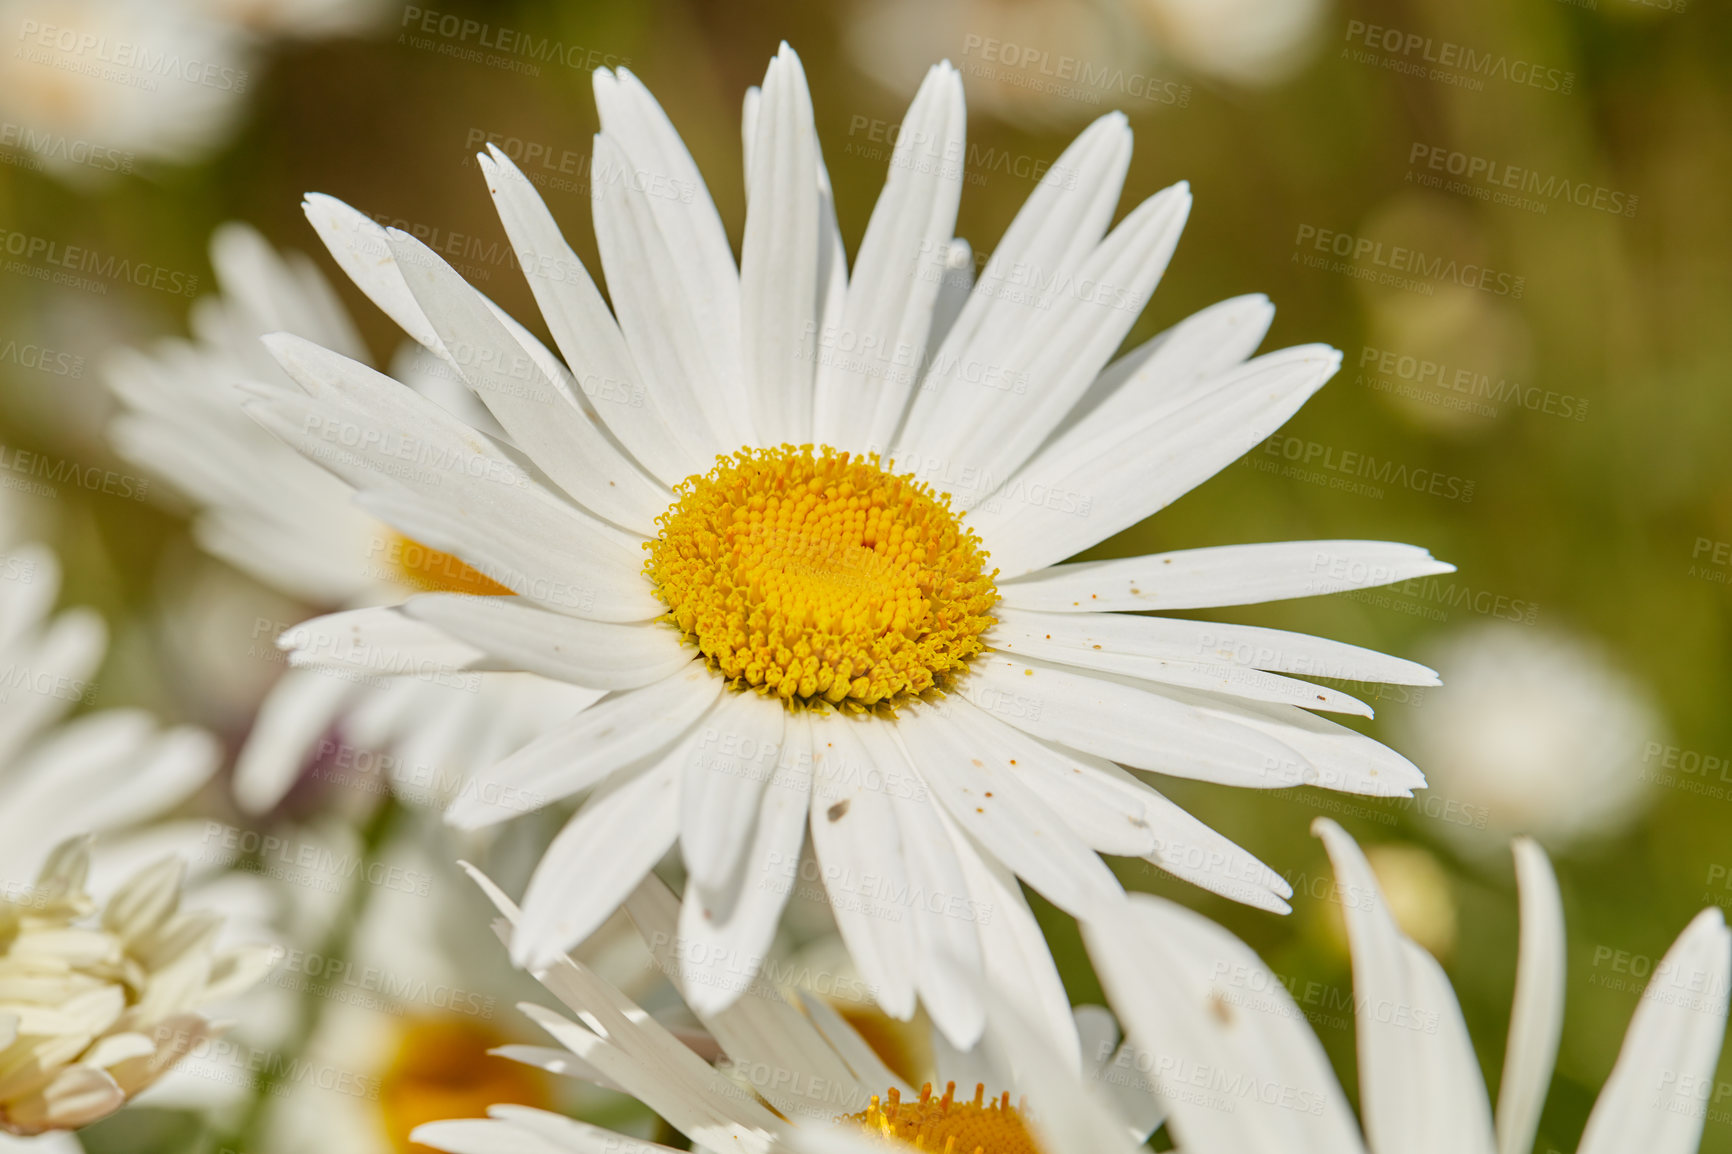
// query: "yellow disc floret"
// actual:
[[946, 1126], [818, 577]]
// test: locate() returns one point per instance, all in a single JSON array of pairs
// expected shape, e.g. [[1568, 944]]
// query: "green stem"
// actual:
[[246, 1134]]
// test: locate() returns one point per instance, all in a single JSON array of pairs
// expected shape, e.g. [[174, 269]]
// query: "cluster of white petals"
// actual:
[[94, 1008]]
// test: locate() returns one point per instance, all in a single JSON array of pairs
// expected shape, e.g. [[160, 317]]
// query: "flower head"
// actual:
[[802, 526], [99, 1006], [791, 1074]]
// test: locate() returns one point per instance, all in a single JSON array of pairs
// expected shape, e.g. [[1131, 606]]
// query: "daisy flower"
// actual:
[[1230, 1052], [96, 86], [790, 1073], [802, 525], [97, 1010], [1528, 712], [114, 772], [95, 799], [271, 513]]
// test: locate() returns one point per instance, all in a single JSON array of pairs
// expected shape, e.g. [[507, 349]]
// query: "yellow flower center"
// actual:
[[820, 578], [428, 569], [946, 1126], [442, 1069]]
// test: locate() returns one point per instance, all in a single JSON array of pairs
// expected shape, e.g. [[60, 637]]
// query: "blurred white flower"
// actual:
[[301, 19], [279, 517], [1251, 43], [114, 774], [111, 770], [1534, 731], [825, 1085], [95, 1011], [1037, 63], [91, 87]]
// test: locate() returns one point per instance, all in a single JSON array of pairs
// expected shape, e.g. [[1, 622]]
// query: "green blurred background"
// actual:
[[1600, 517]]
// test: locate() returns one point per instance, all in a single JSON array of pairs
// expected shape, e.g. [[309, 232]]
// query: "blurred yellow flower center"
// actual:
[[818, 577], [442, 1070], [434, 572], [946, 1126]]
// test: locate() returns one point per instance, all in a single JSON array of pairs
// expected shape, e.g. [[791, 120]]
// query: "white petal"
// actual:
[[561, 1062], [26, 600], [607, 736], [539, 548], [630, 1048], [683, 210], [1207, 642], [597, 859], [489, 1136], [1018, 960], [587, 336], [1656, 1097], [1082, 786], [1165, 369], [870, 360], [972, 764], [1126, 724], [601, 655], [355, 638], [294, 716], [785, 1056], [724, 942], [1062, 502], [1220, 575], [414, 460], [1230, 1052], [779, 257], [954, 287], [738, 750], [1421, 1091], [358, 244], [862, 1061], [1334, 756], [546, 423], [1144, 653], [669, 268], [1052, 363], [1112, 1066], [1537, 1016], [71, 647], [1064, 1111], [859, 850], [105, 771], [1054, 231], [278, 291], [945, 932]]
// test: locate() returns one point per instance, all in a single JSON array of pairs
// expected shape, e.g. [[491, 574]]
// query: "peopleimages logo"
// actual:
[[1467, 389], [108, 59], [1415, 54], [1497, 182], [1372, 259], [39, 144]]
